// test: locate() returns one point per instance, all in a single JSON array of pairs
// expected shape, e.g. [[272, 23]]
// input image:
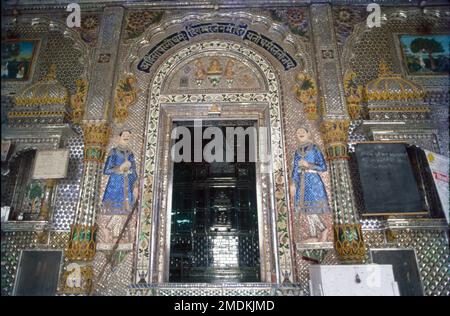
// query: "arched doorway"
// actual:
[[263, 106]]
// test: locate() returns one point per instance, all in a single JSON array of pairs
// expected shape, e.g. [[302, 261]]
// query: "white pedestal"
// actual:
[[353, 280]]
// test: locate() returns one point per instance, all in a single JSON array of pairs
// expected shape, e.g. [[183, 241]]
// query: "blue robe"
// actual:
[[310, 194], [118, 197]]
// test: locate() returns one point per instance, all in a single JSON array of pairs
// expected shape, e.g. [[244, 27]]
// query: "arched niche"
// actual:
[[264, 107]]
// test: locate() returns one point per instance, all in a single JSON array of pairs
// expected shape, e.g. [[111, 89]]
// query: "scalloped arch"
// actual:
[[154, 99], [278, 32]]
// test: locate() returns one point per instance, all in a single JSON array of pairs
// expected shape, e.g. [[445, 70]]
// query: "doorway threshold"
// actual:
[[203, 289]]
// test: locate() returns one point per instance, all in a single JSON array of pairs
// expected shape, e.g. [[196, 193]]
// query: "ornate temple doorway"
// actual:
[[214, 215], [214, 223], [171, 100]]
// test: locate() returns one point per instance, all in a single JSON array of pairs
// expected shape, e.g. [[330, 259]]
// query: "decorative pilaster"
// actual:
[[328, 65], [96, 138], [82, 241], [78, 275], [348, 238], [102, 75]]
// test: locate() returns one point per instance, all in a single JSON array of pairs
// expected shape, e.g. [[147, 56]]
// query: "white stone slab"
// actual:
[[353, 280], [51, 164]]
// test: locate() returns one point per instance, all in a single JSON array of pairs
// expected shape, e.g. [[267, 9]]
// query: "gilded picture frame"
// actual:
[[19, 59], [423, 55]]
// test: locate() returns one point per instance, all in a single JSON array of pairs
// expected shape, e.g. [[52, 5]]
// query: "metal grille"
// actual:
[[59, 50], [68, 189]]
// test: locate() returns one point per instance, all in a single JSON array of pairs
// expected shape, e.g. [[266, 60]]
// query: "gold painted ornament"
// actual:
[[306, 93]]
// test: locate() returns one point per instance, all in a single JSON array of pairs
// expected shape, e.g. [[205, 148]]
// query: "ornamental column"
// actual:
[[95, 123], [348, 240]]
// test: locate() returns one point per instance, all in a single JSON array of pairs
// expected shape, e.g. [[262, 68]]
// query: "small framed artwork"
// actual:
[[425, 54], [18, 57]]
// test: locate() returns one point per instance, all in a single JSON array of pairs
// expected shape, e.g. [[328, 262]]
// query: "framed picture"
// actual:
[[18, 59], [425, 54]]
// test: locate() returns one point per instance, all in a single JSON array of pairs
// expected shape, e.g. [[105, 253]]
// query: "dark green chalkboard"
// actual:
[[387, 180], [38, 273], [404, 265]]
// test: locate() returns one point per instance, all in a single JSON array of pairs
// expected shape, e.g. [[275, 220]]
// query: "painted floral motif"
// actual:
[[125, 96], [90, 22], [306, 92], [353, 94], [344, 15], [295, 18], [78, 100], [89, 28], [137, 22], [345, 18]]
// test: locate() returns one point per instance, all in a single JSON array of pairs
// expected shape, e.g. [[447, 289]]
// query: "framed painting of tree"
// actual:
[[18, 59], [425, 54]]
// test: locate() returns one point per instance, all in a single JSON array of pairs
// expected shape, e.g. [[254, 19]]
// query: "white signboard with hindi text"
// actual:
[[6, 145], [439, 168], [353, 280], [51, 164]]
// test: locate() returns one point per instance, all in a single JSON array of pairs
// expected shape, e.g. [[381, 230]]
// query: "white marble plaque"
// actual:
[[439, 167], [51, 164], [6, 145], [5, 213], [353, 280]]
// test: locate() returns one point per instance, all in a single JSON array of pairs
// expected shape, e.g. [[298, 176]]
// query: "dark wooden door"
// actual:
[[214, 222]]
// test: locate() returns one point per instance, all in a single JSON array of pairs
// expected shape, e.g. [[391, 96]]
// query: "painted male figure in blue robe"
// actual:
[[120, 191], [308, 190]]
